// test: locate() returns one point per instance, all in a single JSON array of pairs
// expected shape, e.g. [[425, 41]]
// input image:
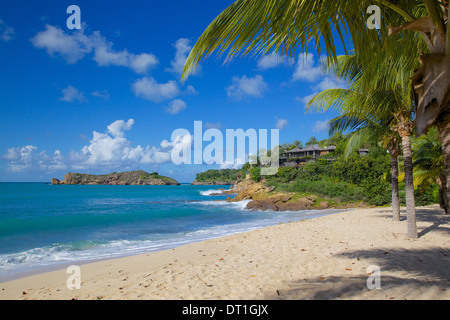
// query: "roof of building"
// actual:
[[310, 148]]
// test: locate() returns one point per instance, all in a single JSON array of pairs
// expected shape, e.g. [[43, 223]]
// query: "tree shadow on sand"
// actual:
[[432, 214], [404, 269], [410, 271]]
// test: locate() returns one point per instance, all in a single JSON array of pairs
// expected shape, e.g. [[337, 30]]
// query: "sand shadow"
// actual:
[[411, 270], [413, 275]]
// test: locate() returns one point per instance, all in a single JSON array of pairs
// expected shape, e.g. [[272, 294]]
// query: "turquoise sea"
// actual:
[[45, 226]]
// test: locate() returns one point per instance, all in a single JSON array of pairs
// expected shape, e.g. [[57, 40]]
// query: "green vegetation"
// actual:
[[228, 176], [255, 174], [396, 76], [350, 177], [155, 175]]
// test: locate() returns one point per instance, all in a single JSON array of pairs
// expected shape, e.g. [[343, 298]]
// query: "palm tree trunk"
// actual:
[[444, 132], [395, 197], [409, 185], [443, 197]]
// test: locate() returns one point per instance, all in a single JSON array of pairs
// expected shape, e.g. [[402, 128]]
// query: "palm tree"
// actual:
[[429, 164], [365, 129], [369, 100], [311, 142], [261, 27]]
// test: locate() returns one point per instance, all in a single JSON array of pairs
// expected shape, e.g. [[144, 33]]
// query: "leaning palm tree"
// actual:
[[368, 99], [429, 164], [260, 27], [365, 129]]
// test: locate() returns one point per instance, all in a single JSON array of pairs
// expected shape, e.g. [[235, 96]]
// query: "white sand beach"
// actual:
[[322, 258]]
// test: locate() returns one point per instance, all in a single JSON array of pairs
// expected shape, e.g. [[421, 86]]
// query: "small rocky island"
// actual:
[[138, 177]]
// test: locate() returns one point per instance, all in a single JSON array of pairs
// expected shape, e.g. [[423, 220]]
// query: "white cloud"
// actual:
[[191, 90], [149, 89], [325, 84], [270, 61], [306, 69], [330, 83], [71, 94], [118, 127], [55, 41], [320, 126], [101, 94], [76, 45], [246, 87], [21, 159], [307, 98], [176, 106], [107, 150], [183, 48], [6, 32], [281, 124]]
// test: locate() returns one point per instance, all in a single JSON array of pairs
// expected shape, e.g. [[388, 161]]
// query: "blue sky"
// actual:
[[108, 97]]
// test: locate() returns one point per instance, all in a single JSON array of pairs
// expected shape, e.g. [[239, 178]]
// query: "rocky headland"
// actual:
[[138, 177], [213, 183], [264, 198]]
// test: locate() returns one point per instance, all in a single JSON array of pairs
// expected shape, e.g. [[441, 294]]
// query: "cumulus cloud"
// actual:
[[325, 84], [149, 89], [108, 150], [270, 61], [321, 126], [281, 124], [306, 68], [182, 49], [76, 45], [101, 94], [243, 87], [71, 94], [176, 106], [21, 159], [6, 32], [118, 127]]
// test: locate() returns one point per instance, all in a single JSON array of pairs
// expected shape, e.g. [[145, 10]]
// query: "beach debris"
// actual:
[[207, 284]]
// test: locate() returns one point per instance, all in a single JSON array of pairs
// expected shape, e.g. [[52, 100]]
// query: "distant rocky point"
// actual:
[[138, 177], [213, 183]]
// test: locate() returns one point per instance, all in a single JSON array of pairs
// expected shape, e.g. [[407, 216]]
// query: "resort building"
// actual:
[[300, 156]]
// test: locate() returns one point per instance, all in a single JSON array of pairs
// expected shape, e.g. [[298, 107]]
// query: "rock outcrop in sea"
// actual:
[[138, 177], [264, 198]]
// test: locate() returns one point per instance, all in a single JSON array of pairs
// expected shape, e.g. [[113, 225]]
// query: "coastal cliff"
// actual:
[[213, 183], [264, 198], [138, 177]]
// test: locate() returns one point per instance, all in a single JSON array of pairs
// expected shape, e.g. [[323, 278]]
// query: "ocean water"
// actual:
[[43, 225]]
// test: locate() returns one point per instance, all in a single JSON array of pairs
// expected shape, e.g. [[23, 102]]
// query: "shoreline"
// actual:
[[321, 258], [40, 269]]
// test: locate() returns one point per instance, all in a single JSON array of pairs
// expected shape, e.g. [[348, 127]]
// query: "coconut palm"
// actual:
[[429, 164], [285, 26], [370, 101], [364, 129]]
